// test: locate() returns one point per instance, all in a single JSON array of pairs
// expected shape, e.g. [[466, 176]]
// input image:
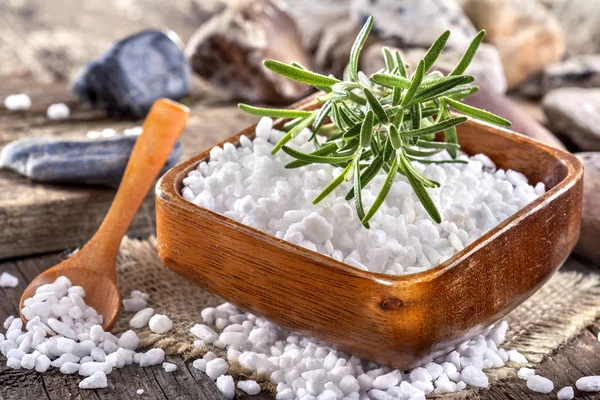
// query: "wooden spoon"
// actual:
[[93, 267]]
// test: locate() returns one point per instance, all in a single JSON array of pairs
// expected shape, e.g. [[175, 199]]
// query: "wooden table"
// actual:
[[43, 43]]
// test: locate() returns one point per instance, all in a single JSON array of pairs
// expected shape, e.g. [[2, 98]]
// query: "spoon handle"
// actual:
[[162, 127]]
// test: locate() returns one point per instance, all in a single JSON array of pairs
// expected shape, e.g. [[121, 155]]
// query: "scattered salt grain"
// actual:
[[566, 393], [169, 367], [226, 386], [8, 281], [152, 357], [204, 333], [250, 387], [140, 391], [141, 318], [216, 368], [540, 384], [134, 304], [160, 323], [525, 373], [16, 102], [58, 111], [515, 356], [128, 340], [96, 381], [588, 384], [200, 364], [474, 377]]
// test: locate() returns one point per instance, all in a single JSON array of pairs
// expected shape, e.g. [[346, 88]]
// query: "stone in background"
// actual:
[[527, 35]]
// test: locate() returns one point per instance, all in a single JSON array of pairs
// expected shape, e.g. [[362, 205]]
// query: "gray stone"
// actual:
[[134, 73], [79, 161], [589, 241], [486, 65], [416, 22], [579, 71], [575, 113], [229, 49], [580, 21]]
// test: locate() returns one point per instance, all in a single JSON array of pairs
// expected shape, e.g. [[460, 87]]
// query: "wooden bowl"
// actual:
[[398, 321]]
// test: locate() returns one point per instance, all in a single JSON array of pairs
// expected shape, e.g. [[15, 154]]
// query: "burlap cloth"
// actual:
[[564, 306]]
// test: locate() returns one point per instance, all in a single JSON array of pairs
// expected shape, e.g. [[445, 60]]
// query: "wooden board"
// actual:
[[580, 357]]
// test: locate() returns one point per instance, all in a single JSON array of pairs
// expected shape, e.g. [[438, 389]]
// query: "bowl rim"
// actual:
[[167, 189]]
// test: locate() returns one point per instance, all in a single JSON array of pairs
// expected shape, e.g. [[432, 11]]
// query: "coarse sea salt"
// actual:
[[58, 111], [301, 368], [588, 384], [540, 384], [63, 332], [15, 102], [566, 393], [253, 187], [8, 281]]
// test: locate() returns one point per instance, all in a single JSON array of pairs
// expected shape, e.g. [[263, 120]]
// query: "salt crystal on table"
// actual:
[[69, 368], [200, 364], [95, 381], [525, 373], [160, 323], [90, 368], [152, 357], [540, 384], [385, 381], [42, 363], [233, 338], [141, 318], [515, 356], [226, 386], [140, 391], [216, 368], [566, 393], [13, 363], [134, 305], [129, 340], [58, 111], [8, 281], [169, 367], [588, 384], [136, 294], [474, 377], [250, 387], [16, 102], [204, 333]]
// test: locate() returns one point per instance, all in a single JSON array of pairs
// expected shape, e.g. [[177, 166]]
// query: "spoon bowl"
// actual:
[[93, 267]]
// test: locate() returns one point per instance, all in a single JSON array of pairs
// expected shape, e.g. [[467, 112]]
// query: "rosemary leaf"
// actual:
[[466, 59], [400, 64], [366, 130], [323, 151], [435, 50], [385, 190], [395, 138], [423, 196], [415, 116], [357, 46], [315, 159], [391, 80], [322, 115], [274, 112], [476, 113], [421, 153], [300, 75], [415, 83], [388, 58], [443, 125], [368, 175], [376, 106], [333, 185], [305, 123], [358, 204], [444, 85]]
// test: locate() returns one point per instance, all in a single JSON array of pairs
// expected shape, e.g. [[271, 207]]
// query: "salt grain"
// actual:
[[58, 111], [588, 384], [16, 102], [226, 386], [160, 323], [140, 391], [250, 387], [540, 384], [141, 318], [169, 367], [216, 368], [525, 373], [8, 281], [96, 381], [152, 357], [566, 393]]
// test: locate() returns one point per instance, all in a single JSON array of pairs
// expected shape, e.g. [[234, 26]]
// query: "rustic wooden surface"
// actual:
[[397, 321], [43, 44]]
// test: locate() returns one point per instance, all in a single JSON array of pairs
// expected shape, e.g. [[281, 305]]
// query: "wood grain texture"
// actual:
[[399, 321]]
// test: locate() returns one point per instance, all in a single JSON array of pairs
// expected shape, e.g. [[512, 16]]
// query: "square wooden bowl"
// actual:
[[398, 321]]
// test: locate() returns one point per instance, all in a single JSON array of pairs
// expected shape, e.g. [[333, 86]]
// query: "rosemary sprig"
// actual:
[[385, 121]]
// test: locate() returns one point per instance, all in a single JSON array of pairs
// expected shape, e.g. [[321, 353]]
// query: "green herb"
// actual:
[[385, 121]]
